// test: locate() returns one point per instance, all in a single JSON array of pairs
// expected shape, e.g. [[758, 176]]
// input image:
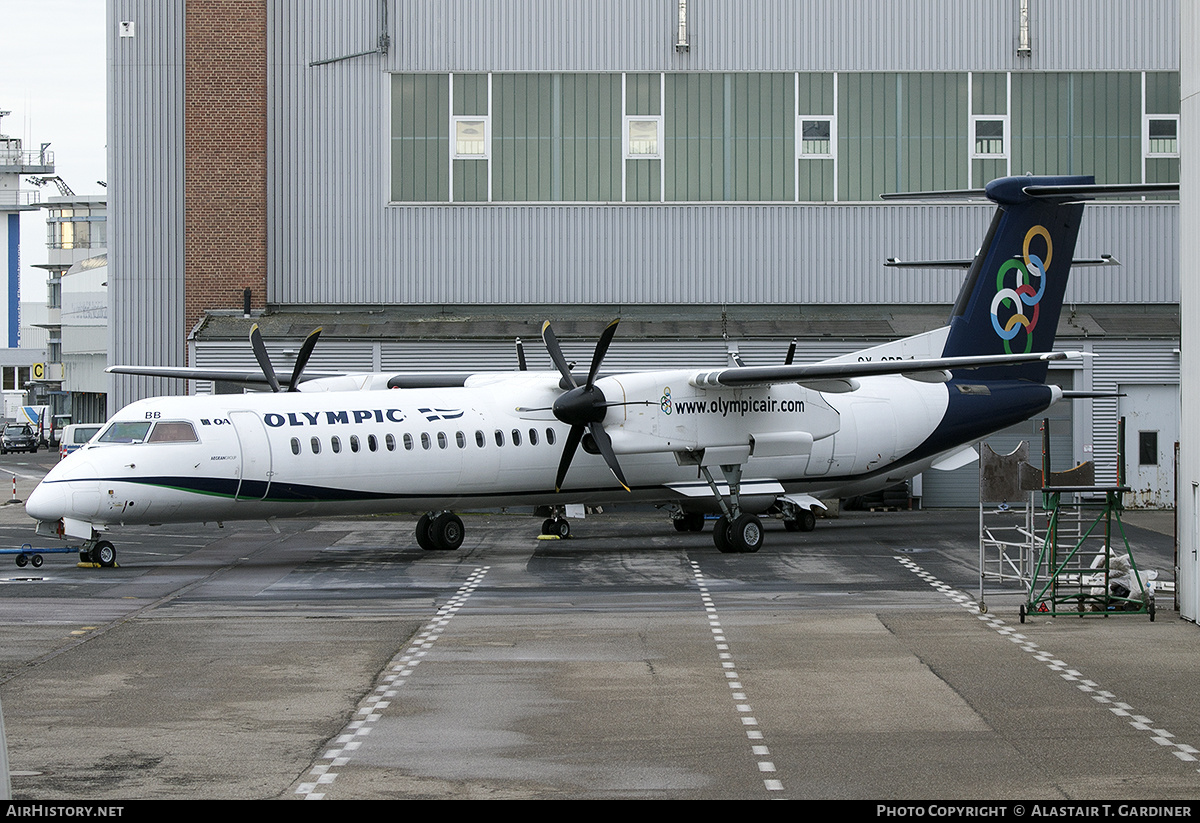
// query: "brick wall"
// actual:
[[225, 155]]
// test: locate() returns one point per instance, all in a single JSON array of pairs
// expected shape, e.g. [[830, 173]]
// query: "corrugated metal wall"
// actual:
[[337, 241], [145, 193], [717, 253], [817, 35]]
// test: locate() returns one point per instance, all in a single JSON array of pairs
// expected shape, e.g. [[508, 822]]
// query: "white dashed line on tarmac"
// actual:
[[741, 703], [1104, 698], [398, 671]]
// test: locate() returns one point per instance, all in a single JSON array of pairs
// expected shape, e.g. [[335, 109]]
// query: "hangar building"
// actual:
[[430, 179]]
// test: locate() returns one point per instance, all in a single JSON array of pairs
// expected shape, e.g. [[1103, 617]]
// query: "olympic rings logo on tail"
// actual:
[[1023, 297]]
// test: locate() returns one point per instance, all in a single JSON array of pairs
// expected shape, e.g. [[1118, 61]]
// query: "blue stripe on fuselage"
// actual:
[[975, 410]]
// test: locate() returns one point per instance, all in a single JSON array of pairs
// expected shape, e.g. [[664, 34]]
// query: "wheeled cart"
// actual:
[[28, 555]]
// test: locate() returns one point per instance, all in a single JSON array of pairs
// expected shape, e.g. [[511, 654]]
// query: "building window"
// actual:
[[816, 137], [1148, 448], [643, 138], [471, 138], [989, 136], [1162, 136]]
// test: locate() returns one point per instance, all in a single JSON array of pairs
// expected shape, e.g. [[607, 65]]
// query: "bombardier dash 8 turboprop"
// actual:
[[738, 440]]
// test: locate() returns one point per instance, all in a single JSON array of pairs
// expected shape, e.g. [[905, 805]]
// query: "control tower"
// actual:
[[15, 161]]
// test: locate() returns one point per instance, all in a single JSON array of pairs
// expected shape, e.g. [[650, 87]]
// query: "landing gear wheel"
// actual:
[[548, 526], [1021, 612], [105, 554], [746, 534], [721, 536], [424, 537], [694, 521], [791, 525], [21, 561], [447, 531], [807, 520], [680, 524], [562, 528], [36, 560]]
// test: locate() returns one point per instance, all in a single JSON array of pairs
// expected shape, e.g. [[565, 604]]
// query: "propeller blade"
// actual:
[[602, 344], [573, 438], [521, 364], [306, 350], [604, 443], [556, 354], [264, 360]]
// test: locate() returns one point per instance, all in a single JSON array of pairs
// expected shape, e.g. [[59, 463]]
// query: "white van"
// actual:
[[75, 435]]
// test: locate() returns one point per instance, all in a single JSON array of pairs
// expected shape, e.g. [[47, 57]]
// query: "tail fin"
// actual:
[[1013, 295]]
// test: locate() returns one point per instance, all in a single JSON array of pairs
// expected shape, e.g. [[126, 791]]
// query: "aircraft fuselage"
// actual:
[[492, 443]]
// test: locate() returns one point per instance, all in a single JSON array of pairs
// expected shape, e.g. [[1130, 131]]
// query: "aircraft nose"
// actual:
[[47, 502]]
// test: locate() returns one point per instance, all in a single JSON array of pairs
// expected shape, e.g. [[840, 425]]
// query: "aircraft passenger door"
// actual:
[[254, 476]]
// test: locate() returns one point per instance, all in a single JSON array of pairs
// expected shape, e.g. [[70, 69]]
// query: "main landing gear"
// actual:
[[439, 531], [556, 526], [735, 532]]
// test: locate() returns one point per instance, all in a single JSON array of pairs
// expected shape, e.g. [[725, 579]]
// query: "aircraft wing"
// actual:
[[253, 377], [841, 376], [256, 378]]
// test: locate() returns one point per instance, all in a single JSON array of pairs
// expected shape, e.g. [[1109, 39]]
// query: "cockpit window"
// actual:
[[171, 431], [124, 432]]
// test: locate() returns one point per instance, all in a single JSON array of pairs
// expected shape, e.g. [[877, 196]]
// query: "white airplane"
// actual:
[[741, 440]]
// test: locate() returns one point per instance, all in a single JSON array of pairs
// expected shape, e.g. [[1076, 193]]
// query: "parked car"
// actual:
[[18, 437], [74, 436]]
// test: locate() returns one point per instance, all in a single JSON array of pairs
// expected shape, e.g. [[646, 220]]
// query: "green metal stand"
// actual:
[[1074, 573]]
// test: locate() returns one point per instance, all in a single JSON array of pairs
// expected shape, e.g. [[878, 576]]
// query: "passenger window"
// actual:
[[441, 440], [499, 438], [295, 445], [169, 431], [335, 444], [533, 437], [408, 443], [426, 443], [315, 443], [461, 439], [480, 440], [354, 443], [516, 437], [372, 443], [390, 440], [550, 437]]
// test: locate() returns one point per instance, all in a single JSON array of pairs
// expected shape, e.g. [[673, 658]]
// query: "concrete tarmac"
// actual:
[[337, 660]]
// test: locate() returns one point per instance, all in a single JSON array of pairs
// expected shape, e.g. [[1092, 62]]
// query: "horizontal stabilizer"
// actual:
[[897, 263], [809, 374]]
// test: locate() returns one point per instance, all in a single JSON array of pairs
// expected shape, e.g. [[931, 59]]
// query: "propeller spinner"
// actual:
[[582, 407]]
